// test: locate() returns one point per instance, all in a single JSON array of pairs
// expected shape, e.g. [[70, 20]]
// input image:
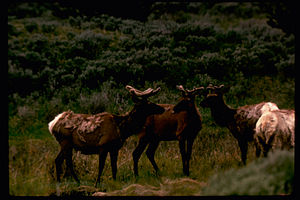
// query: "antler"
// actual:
[[215, 89], [145, 94], [180, 87], [195, 89], [191, 92]]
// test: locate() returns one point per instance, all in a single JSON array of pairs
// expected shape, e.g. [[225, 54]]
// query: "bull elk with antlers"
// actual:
[[100, 133], [180, 122], [241, 121]]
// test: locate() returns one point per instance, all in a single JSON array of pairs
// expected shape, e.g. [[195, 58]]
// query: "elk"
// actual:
[[100, 133], [241, 121], [275, 129], [180, 122]]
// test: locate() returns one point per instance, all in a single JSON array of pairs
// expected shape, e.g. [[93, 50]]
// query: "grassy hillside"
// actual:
[[81, 59]]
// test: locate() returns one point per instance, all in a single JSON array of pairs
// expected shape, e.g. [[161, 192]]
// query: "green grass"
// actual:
[[32, 170], [32, 149]]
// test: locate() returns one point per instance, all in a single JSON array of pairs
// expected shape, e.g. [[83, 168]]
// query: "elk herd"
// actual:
[[103, 133]]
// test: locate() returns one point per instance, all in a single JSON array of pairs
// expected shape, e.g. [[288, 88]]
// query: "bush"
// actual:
[[88, 44], [31, 26], [49, 27], [273, 175]]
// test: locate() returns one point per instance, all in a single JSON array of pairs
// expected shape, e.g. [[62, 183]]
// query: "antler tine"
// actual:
[[199, 88], [221, 86], [194, 90], [145, 94], [180, 87], [184, 91], [210, 87]]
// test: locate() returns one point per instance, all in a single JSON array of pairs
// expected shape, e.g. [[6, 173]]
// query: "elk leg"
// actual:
[[113, 162], [102, 158], [64, 148], [137, 154], [183, 155], [70, 164], [243, 144], [257, 149], [188, 155], [58, 162], [150, 153]]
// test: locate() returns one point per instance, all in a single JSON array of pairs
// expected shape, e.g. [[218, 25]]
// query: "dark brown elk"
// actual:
[[100, 133], [275, 129], [180, 122], [241, 121]]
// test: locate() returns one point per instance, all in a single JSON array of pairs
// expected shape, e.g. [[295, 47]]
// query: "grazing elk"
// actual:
[[100, 133], [275, 129], [180, 122], [241, 121]]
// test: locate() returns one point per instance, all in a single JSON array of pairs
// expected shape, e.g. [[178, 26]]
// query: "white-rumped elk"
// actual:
[[180, 122], [100, 133], [275, 129], [240, 121]]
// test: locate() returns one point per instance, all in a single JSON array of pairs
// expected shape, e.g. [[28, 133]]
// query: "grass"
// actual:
[[32, 150], [32, 170]]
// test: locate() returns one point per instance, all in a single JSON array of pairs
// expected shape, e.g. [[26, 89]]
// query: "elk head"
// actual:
[[141, 100], [187, 101], [213, 94]]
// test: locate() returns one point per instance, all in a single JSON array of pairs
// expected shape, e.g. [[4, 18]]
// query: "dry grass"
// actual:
[[167, 187], [32, 169]]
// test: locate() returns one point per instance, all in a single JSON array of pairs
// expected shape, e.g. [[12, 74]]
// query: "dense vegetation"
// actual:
[[64, 57]]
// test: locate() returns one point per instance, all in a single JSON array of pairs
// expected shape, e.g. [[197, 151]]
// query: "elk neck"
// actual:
[[194, 113], [222, 114], [131, 123]]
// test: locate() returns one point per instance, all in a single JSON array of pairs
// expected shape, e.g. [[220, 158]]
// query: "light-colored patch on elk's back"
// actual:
[[278, 122], [81, 124], [254, 112], [269, 106], [54, 121], [266, 125]]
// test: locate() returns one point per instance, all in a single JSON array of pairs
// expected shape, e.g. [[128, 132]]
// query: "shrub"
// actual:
[[216, 65], [37, 42], [200, 43], [273, 175], [287, 67], [94, 103], [31, 26], [183, 30], [49, 27], [92, 75], [75, 21], [88, 44]]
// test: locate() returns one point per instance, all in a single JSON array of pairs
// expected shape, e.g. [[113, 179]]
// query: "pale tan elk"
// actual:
[[100, 133], [180, 122], [275, 129], [240, 121]]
